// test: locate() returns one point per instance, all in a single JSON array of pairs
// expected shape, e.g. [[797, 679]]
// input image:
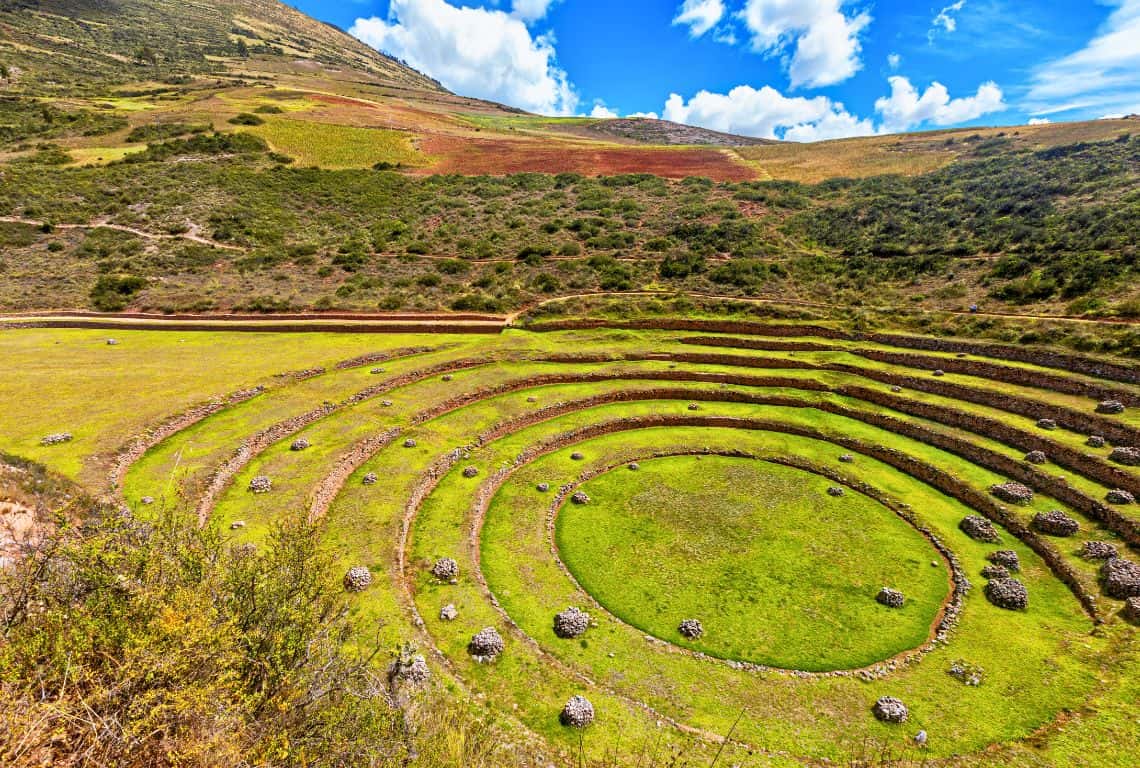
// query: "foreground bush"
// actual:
[[133, 644]]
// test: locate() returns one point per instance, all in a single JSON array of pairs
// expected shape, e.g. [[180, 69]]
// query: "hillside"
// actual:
[[240, 156]]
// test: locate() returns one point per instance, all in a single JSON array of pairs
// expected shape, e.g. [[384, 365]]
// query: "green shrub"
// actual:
[[112, 293], [246, 118]]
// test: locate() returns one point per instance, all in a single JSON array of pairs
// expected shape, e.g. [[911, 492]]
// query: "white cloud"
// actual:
[[1039, 121], [905, 108], [646, 115], [945, 20], [602, 111], [531, 10], [825, 40], [766, 113], [893, 60], [1104, 76], [699, 15], [475, 52]]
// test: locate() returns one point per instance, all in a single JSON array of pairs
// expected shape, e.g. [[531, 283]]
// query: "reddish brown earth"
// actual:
[[499, 157]]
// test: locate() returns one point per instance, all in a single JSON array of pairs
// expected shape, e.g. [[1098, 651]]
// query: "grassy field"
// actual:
[[338, 146], [778, 571]]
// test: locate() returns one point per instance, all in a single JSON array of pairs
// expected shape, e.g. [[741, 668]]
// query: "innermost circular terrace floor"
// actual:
[[778, 572]]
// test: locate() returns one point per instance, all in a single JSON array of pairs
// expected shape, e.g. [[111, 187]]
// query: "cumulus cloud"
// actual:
[[945, 20], [531, 10], [646, 115], [602, 111], [1039, 121], [822, 40], [766, 113], [699, 15], [1104, 76], [477, 52], [905, 108], [893, 60]]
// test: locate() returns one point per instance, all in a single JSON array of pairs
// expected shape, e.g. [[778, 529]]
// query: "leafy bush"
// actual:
[[112, 293], [246, 118]]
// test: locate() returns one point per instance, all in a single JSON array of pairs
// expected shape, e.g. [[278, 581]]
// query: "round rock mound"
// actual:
[[1012, 493], [1055, 523], [357, 579], [1110, 407], [1127, 455], [577, 456], [835, 491], [486, 645], [1121, 578], [1119, 496], [445, 569], [979, 528], [578, 712], [542, 487], [890, 710], [580, 498], [891, 598], [1095, 441], [995, 572], [369, 479], [691, 628], [847, 458], [299, 445], [261, 484], [409, 443], [1036, 457], [1048, 424], [1010, 594], [1006, 558], [571, 623], [471, 472], [1098, 550], [1131, 610], [448, 612]]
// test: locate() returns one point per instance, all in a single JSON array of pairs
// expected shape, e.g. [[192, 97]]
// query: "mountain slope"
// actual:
[[69, 46]]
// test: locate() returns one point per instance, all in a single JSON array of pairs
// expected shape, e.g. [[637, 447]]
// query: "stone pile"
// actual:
[[299, 445], [1119, 496], [1110, 407], [1055, 523], [471, 472], [1010, 594], [694, 407], [891, 598], [542, 487], [847, 458], [890, 710], [1006, 558], [448, 612], [369, 479], [486, 645], [357, 579], [633, 467], [445, 569], [979, 528], [1048, 424], [1036, 457], [448, 377], [580, 498], [1098, 550], [409, 443], [1121, 578], [1095, 441], [967, 673], [576, 456], [691, 628], [1131, 610], [1127, 455], [414, 671], [896, 389], [56, 439], [995, 572], [571, 623], [940, 372], [261, 484], [1013, 493], [578, 712], [147, 500], [835, 490]]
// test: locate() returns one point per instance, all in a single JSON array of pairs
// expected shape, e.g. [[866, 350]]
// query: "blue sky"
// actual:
[[793, 69]]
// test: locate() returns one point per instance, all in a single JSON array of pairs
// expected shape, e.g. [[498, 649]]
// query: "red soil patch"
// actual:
[[499, 157]]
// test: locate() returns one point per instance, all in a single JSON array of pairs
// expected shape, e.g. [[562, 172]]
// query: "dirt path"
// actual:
[[187, 236]]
